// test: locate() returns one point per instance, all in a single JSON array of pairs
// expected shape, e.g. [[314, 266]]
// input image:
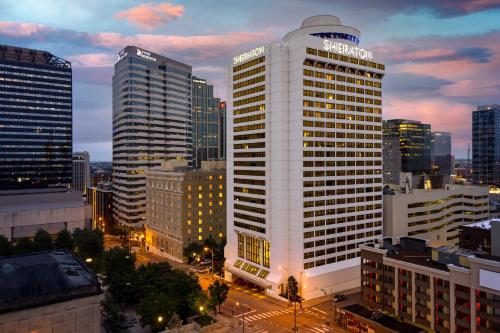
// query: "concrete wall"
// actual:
[[75, 316]]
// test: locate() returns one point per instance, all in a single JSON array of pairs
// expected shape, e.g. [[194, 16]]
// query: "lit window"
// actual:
[[220, 203], [210, 187], [189, 196], [210, 204], [200, 204], [200, 237], [210, 177], [200, 213], [220, 195], [210, 212], [210, 228], [189, 222], [220, 177], [189, 187], [221, 235], [220, 186], [200, 188], [200, 229], [210, 195], [200, 221]]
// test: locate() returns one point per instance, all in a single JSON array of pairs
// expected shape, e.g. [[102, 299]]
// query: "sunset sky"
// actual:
[[442, 57]]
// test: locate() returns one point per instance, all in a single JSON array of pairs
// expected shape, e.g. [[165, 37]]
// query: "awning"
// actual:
[[249, 277]]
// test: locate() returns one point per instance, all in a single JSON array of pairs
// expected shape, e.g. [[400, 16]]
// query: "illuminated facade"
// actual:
[[100, 198], [184, 206], [151, 123], [486, 145], [415, 147], [35, 119], [208, 123], [304, 151], [81, 172]]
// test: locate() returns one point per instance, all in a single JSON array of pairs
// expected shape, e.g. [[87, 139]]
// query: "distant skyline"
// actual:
[[442, 57]]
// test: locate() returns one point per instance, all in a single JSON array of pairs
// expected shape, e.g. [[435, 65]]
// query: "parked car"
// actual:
[[339, 298]]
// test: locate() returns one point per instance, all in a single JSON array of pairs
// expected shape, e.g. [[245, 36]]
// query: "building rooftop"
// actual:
[[382, 319], [37, 279], [31, 56], [486, 224], [40, 200]]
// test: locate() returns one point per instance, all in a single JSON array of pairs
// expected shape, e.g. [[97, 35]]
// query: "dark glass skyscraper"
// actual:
[[35, 119], [486, 145], [414, 146], [208, 123], [151, 123], [442, 159]]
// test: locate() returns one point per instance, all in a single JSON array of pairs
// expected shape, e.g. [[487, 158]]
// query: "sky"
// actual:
[[442, 57]]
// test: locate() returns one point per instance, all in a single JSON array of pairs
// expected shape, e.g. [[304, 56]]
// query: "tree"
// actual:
[[113, 317], [293, 289], [192, 250], [156, 310], [88, 243], [42, 241], [24, 245], [64, 240], [218, 293], [120, 276], [6, 248]]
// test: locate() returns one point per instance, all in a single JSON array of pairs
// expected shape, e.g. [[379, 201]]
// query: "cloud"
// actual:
[[92, 60], [469, 88], [151, 16], [16, 29]]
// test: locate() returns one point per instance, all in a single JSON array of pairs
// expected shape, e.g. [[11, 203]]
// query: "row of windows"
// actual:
[[340, 144], [346, 210], [331, 106], [250, 155], [249, 73], [255, 80], [331, 260], [249, 145], [253, 136], [338, 68], [249, 91], [342, 191], [249, 64], [249, 109], [343, 116], [250, 209], [338, 87], [259, 173], [310, 153], [440, 201], [249, 163], [250, 227], [256, 117], [250, 218], [354, 154], [341, 239], [249, 190], [444, 225], [445, 208], [256, 182], [331, 96], [249, 100], [343, 58], [340, 221], [250, 200], [341, 201]]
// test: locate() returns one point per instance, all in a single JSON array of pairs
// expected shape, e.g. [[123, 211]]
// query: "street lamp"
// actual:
[[160, 319], [88, 260], [201, 316], [212, 258]]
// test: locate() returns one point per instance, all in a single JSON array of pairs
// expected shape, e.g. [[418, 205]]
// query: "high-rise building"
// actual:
[[151, 123], [415, 148], [35, 118], [304, 151], [100, 198], [486, 145], [184, 206], [442, 159], [208, 123], [81, 172]]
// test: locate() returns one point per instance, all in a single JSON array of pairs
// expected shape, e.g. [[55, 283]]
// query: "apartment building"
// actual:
[[442, 289]]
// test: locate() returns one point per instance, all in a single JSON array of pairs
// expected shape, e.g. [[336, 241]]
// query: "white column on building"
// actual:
[[473, 314], [452, 307], [396, 291]]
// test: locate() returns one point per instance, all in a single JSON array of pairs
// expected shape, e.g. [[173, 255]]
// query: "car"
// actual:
[[339, 298], [206, 261]]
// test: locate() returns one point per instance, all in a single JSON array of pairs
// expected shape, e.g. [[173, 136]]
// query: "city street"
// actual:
[[251, 307]]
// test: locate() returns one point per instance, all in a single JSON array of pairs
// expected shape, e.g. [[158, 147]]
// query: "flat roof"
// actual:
[[486, 224], [26, 201], [382, 319], [37, 279]]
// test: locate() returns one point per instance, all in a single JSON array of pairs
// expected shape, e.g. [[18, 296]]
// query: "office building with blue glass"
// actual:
[[35, 119], [486, 145]]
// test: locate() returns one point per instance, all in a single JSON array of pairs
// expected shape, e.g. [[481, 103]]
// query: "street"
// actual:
[[250, 307]]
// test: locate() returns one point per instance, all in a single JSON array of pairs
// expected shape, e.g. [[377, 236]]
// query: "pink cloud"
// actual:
[[472, 5], [469, 88], [442, 114], [93, 60], [150, 16], [16, 29]]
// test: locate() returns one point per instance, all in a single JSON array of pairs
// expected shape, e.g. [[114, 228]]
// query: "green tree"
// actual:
[[64, 240], [88, 243], [218, 293], [120, 276], [156, 310], [192, 250], [293, 289], [42, 241], [6, 248], [113, 317], [24, 245]]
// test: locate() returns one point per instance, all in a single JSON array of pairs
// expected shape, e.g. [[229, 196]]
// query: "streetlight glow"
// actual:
[[88, 260], [160, 319]]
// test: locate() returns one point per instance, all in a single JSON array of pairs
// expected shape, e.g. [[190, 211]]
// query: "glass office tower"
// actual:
[[486, 145], [208, 123], [151, 123], [35, 119], [415, 145]]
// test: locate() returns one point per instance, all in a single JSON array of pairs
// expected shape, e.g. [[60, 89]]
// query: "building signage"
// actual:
[[258, 51], [122, 54], [146, 55], [347, 50]]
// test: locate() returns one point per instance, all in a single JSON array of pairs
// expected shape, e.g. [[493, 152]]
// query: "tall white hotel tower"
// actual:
[[304, 145]]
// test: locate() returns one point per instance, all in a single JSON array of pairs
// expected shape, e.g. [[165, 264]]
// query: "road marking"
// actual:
[[320, 311], [246, 313]]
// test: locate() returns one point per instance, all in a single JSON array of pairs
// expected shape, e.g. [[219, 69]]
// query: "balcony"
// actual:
[[463, 308], [463, 323]]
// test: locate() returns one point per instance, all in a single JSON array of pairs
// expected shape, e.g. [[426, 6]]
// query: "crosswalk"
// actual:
[[267, 314], [317, 329]]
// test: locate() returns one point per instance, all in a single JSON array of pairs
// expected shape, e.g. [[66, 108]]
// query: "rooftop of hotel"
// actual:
[[486, 224], [36, 279], [39, 200]]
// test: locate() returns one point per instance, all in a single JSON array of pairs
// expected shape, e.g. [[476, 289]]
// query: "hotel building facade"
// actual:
[[151, 123], [304, 147]]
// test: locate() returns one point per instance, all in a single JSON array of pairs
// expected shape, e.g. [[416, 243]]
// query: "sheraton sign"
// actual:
[[347, 50]]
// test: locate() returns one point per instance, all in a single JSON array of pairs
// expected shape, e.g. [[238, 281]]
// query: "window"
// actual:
[[266, 253], [252, 249], [241, 246]]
